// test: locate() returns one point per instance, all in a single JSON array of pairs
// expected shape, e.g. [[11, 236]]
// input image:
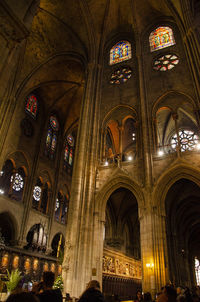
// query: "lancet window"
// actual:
[[61, 208], [161, 37], [52, 137], [69, 152], [120, 52], [31, 106]]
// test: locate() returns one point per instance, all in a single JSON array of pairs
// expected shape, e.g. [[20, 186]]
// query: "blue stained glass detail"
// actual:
[[49, 138], [120, 52]]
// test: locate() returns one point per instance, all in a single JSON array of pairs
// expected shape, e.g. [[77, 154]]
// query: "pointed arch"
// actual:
[[113, 184], [164, 183]]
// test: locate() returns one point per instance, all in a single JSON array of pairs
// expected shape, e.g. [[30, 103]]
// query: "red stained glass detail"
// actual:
[[32, 105], [54, 123]]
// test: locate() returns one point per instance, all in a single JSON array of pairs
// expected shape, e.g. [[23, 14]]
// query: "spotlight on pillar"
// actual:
[[1, 173], [130, 158], [160, 153], [1, 191], [106, 163], [150, 265]]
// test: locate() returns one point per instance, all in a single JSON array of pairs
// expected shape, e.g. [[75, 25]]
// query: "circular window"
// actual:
[[120, 75], [37, 193], [165, 62], [70, 140], [54, 123], [17, 182], [188, 140]]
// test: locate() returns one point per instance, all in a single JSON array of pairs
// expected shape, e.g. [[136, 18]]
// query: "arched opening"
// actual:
[[36, 238], [121, 258], [129, 139], [7, 229], [57, 246], [183, 231]]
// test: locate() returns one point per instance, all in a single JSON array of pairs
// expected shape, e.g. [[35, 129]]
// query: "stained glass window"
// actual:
[[61, 208], [121, 75], [17, 182], [64, 210], [120, 52], [197, 271], [37, 191], [188, 140], [160, 38], [51, 138], [70, 156], [166, 62], [66, 153], [53, 143], [58, 206], [69, 152], [70, 140], [54, 123], [32, 105], [37, 194]]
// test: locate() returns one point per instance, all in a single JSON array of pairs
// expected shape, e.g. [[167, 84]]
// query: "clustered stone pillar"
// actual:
[[78, 264]]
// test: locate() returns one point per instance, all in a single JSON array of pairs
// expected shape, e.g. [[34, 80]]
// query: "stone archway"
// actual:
[[114, 192], [183, 230], [121, 250], [177, 213], [8, 228]]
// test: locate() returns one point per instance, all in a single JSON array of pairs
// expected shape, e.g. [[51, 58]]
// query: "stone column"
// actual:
[[175, 118], [77, 265], [98, 243], [153, 250], [146, 127], [191, 39], [155, 135], [121, 130]]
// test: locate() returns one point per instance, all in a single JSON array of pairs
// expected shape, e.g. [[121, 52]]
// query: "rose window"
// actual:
[[165, 62], [188, 140], [17, 182], [120, 75], [37, 193]]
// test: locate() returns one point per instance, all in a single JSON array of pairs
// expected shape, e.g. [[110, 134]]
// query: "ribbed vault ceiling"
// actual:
[[79, 29]]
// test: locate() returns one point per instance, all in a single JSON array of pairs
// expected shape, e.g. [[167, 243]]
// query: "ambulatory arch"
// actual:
[[168, 178], [112, 185]]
